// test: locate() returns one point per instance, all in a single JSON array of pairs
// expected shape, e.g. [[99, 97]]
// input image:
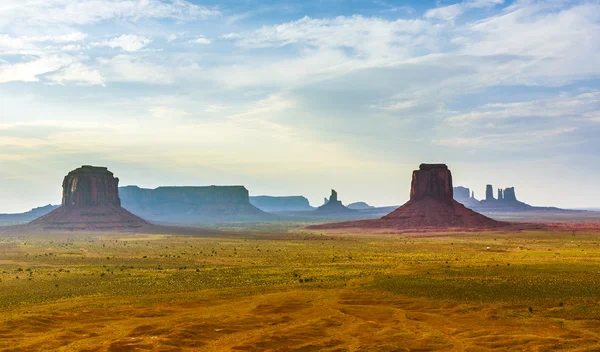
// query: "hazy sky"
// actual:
[[301, 97]]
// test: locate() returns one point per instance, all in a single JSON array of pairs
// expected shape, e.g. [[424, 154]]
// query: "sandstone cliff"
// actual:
[[431, 206], [90, 202], [281, 204], [191, 205]]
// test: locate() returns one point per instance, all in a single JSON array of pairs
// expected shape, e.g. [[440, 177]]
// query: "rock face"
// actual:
[[360, 206], [89, 186], [90, 202], [281, 204], [431, 205], [333, 205], [433, 181], [462, 194], [509, 194], [489, 192], [191, 205], [500, 194]]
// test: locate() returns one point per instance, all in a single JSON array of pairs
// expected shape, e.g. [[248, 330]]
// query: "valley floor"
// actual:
[[301, 291]]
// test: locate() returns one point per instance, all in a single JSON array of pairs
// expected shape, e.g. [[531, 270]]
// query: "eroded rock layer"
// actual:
[[431, 206], [90, 202]]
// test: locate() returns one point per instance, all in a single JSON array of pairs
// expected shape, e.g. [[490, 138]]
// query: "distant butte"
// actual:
[[90, 202], [333, 205], [431, 206]]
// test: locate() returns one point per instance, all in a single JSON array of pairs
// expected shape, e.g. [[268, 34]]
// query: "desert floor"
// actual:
[[301, 290]]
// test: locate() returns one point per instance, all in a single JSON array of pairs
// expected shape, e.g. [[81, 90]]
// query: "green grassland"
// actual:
[[394, 290]]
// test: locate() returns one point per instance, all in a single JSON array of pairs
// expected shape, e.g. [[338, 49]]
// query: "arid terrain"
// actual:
[[301, 290]]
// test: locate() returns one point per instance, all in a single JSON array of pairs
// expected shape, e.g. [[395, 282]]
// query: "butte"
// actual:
[[90, 202], [431, 206]]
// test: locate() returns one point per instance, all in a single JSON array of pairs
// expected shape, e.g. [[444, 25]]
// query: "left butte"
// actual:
[[90, 202]]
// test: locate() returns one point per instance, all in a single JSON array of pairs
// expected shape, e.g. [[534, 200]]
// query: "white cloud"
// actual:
[[215, 108], [563, 105], [445, 13], [78, 73], [126, 68], [366, 34], [511, 140], [31, 70], [30, 44], [398, 105], [68, 12], [199, 40], [167, 113], [450, 12], [126, 42]]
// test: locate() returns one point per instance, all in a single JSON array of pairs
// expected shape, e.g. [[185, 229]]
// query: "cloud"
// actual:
[[450, 12], [78, 73], [127, 68], [68, 12], [126, 42], [31, 70], [167, 113], [31, 44], [445, 13], [510, 140], [563, 106], [361, 33], [199, 40]]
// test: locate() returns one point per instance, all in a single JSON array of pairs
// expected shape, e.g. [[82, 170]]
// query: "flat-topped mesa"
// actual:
[[90, 186], [509, 194], [433, 181]]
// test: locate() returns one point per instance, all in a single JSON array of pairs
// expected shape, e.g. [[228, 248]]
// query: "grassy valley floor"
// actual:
[[301, 291]]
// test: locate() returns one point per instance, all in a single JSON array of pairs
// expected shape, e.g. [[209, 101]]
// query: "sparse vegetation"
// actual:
[[478, 281]]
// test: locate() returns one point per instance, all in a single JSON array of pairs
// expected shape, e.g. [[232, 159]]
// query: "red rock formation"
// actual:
[[432, 180], [89, 186], [431, 206], [90, 202]]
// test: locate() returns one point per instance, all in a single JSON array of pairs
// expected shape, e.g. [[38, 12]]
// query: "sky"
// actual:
[[300, 97]]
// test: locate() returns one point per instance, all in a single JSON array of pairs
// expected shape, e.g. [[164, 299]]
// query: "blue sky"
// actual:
[[301, 97]]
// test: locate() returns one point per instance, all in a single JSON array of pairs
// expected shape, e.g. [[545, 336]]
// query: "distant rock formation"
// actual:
[[431, 205], [509, 195], [90, 202], [489, 193], [281, 204], [191, 205], [21, 218], [461, 193], [506, 202], [333, 205], [360, 206]]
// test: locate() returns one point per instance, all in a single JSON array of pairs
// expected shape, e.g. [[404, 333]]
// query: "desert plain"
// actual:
[[286, 288]]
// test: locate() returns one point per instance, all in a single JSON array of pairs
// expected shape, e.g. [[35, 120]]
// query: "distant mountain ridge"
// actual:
[[21, 218], [273, 204], [191, 205]]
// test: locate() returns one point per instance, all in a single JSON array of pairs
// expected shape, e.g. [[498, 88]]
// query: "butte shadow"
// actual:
[[431, 208]]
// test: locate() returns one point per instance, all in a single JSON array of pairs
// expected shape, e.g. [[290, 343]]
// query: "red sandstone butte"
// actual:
[[90, 202], [431, 206]]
